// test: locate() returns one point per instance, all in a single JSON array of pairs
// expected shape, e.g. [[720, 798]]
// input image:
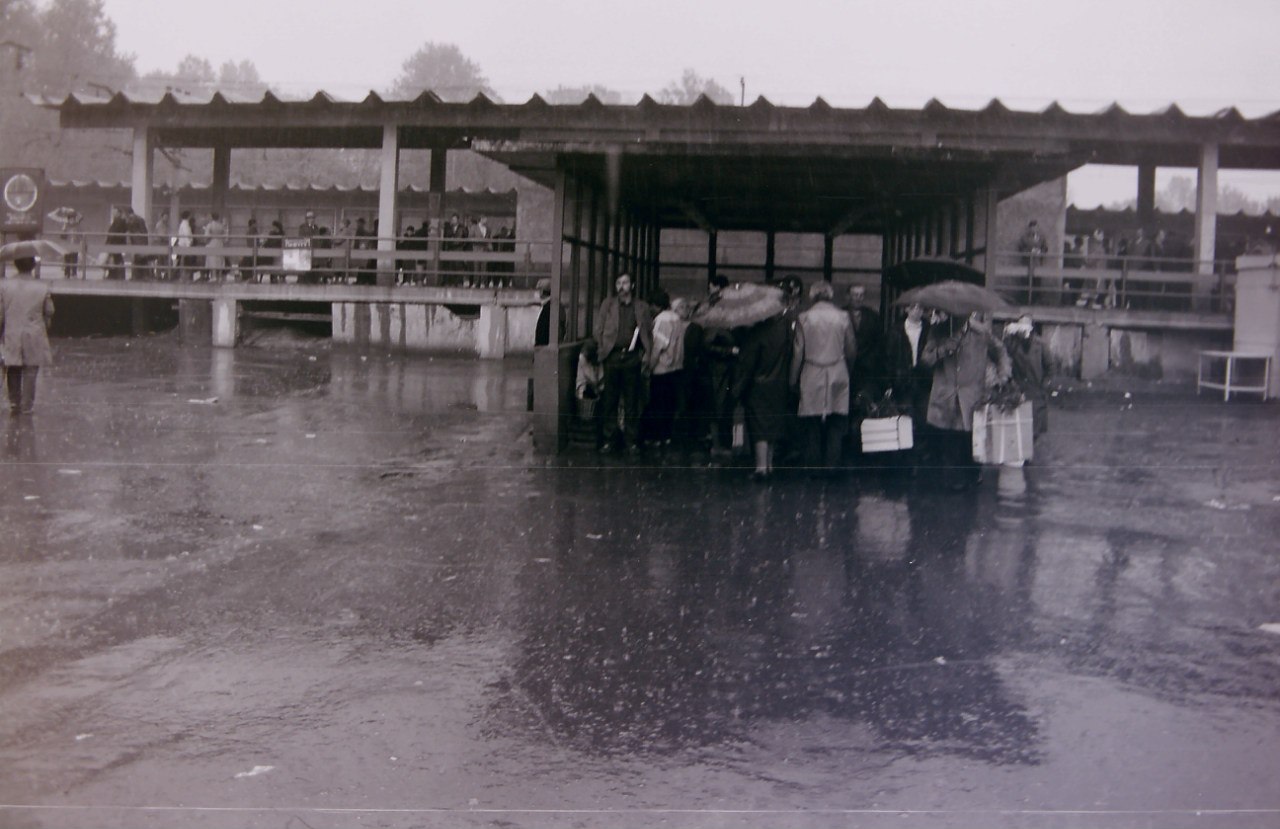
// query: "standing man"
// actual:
[[25, 311], [869, 336], [623, 329], [117, 234]]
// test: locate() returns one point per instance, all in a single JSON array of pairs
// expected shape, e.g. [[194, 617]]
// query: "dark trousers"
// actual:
[[952, 453], [22, 387], [824, 439], [720, 405], [623, 384], [667, 403]]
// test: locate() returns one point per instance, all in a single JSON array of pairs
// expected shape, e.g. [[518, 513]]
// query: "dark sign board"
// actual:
[[21, 194]]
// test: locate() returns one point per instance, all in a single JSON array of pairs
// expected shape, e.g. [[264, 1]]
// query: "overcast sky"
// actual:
[[1145, 54]]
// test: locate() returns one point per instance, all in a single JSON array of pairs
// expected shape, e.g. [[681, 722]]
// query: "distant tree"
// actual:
[[578, 94], [443, 69], [77, 49], [195, 76], [1179, 193], [690, 86]]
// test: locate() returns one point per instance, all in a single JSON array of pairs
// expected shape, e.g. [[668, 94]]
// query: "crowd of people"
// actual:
[[795, 386], [195, 243]]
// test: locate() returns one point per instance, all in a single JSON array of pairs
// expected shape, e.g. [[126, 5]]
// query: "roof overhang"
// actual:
[[809, 168]]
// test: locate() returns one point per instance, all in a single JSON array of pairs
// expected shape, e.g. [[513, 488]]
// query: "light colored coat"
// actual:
[[824, 346], [668, 342], [25, 310]]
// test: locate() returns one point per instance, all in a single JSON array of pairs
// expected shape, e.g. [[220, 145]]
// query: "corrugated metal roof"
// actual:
[[427, 98]]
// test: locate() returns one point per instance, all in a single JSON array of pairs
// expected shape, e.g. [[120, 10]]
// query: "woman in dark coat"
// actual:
[[762, 384]]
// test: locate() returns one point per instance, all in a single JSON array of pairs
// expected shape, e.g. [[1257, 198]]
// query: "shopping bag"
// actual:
[[886, 434], [1002, 436]]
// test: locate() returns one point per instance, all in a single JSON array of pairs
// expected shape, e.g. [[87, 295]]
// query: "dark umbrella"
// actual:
[[30, 249], [929, 269], [742, 304], [958, 298]]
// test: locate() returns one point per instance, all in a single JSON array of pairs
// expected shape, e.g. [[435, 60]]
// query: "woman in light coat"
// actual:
[[824, 347]]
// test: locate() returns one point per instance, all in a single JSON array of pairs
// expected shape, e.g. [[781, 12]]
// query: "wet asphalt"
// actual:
[[294, 586]]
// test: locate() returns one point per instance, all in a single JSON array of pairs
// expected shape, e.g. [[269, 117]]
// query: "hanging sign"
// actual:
[[21, 192]]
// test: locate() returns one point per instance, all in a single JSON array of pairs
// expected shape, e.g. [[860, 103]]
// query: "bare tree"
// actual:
[[690, 86], [578, 94]]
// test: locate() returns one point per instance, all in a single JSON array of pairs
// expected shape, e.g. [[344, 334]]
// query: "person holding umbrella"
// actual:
[[761, 373], [25, 311], [960, 361]]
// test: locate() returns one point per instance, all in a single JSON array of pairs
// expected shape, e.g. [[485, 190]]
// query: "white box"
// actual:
[[886, 434]]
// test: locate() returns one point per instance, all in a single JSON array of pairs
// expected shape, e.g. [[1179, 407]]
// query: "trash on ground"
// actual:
[[594, 536], [80, 737], [68, 471], [31, 497], [1270, 627], [254, 772], [1219, 504], [207, 401]]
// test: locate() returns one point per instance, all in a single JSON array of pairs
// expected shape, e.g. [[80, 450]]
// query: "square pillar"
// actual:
[[435, 202], [1147, 197], [143, 173], [553, 365], [991, 207], [1206, 223], [1206, 207], [221, 182], [388, 185]]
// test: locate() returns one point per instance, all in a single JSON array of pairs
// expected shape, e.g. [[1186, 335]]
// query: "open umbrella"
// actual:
[[742, 304], [958, 298], [30, 249], [926, 270], [65, 215]]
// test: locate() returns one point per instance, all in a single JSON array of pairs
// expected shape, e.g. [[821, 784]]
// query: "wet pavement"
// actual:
[[292, 586]]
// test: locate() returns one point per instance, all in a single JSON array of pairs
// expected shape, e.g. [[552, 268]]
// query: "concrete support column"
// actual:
[[970, 228], [226, 323], [435, 201], [1147, 197], [552, 374], [1206, 207], [770, 240], [143, 171], [713, 247], [388, 185], [828, 256], [491, 331], [991, 204], [1206, 224], [221, 181]]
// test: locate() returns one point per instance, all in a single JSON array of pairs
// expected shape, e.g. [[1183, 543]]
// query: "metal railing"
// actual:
[[415, 261], [1137, 283]]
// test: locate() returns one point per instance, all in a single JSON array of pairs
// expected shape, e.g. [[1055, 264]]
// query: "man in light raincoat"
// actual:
[[823, 350]]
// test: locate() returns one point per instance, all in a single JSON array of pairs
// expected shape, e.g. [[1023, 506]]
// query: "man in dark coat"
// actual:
[[117, 234], [869, 338], [623, 329]]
